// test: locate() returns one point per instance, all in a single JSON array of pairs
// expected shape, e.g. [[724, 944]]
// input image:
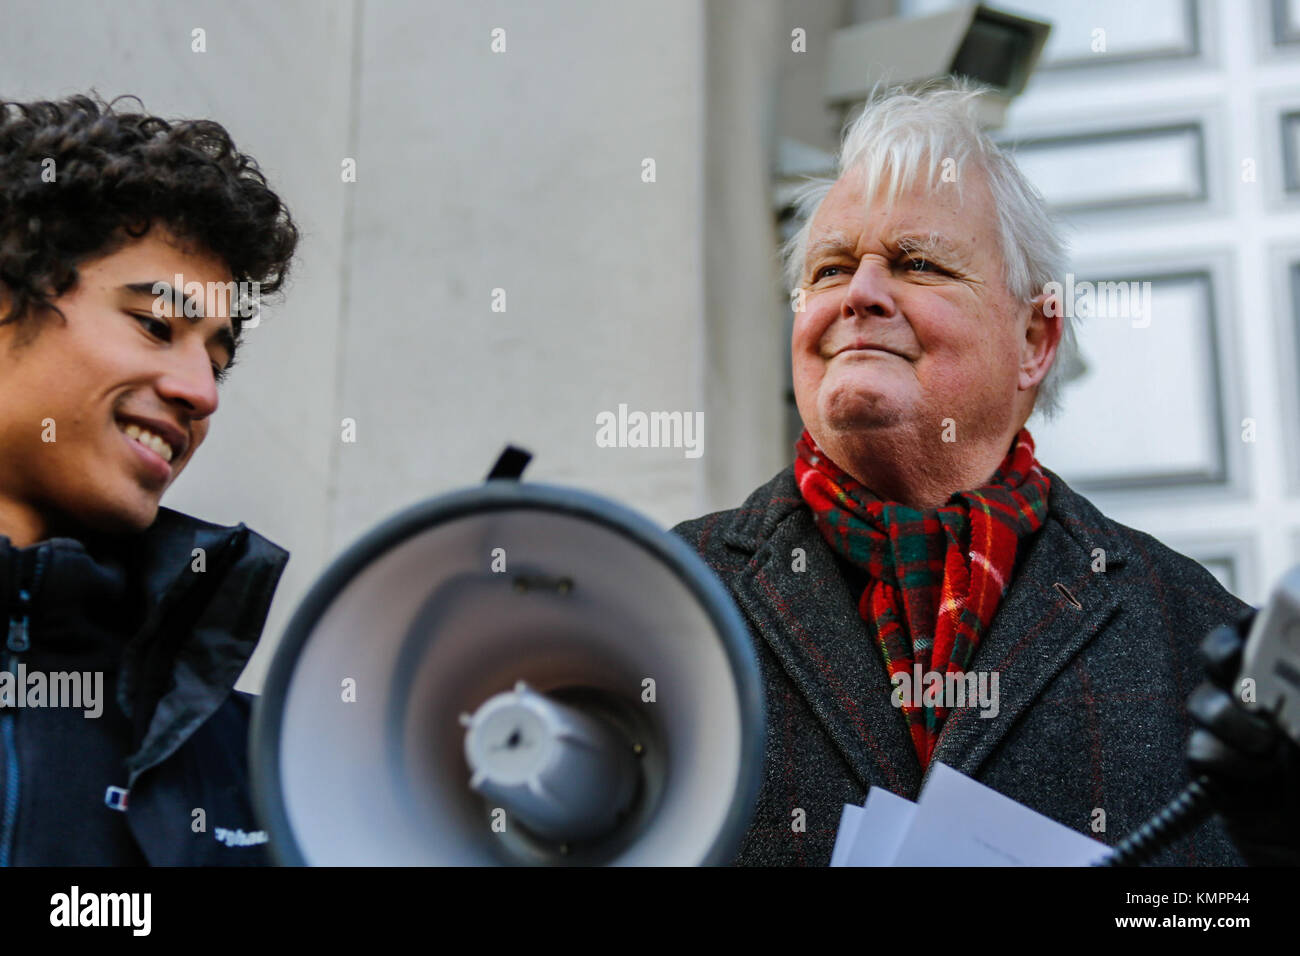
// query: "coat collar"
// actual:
[[207, 590], [810, 621], [188, 600]]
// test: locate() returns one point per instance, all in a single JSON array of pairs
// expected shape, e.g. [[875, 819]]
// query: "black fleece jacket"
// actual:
[[122, 741]]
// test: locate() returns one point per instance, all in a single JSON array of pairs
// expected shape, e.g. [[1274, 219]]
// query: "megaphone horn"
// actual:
[[514, 673]]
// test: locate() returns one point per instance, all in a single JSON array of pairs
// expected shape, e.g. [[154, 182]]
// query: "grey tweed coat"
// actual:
[[1091, 697]]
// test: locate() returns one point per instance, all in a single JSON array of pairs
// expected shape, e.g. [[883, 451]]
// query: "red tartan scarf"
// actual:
[[936, 576]]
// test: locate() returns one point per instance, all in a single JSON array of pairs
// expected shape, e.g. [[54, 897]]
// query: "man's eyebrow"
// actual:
[[164, 289], [927, 242], [835, 242], [923, 242], [223, 336]]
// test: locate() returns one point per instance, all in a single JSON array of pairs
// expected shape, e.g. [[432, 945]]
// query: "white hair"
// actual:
[[935, 128]]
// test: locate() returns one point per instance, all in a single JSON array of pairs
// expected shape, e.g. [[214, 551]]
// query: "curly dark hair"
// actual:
[[116, 174]]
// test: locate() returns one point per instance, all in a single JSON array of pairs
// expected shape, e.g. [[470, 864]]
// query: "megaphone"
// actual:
[[511, 674]]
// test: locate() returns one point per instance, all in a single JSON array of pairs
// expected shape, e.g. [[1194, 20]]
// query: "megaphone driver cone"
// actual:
[[637, 673]]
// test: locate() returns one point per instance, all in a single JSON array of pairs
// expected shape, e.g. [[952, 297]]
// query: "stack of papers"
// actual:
[[956, 822]]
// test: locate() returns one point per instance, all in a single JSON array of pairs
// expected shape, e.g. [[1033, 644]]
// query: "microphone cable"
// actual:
[[1176, 819]]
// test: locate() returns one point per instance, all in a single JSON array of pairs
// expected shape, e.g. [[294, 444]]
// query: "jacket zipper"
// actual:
[[17, 642]]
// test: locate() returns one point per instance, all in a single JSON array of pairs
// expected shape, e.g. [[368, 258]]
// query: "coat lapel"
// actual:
[[1038, 628], [199, 631], [810, 621]]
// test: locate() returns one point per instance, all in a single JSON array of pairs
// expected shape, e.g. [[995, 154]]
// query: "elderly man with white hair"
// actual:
[[915, 532]]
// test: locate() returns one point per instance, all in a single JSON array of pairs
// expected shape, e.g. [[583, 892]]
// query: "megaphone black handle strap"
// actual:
[[511, 464]]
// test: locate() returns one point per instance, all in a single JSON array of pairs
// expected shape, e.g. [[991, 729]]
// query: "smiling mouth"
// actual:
[[867, 348], [155, 443]]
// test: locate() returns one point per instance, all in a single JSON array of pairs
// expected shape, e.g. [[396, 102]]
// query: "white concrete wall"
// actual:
[[277, 76], [747, 347], [520, 171], [476, 171]]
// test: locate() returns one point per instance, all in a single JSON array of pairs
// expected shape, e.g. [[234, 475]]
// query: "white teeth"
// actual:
[[151, 441]]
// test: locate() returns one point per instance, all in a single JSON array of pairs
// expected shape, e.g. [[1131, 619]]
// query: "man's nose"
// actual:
[[869, 292], [189, 381]]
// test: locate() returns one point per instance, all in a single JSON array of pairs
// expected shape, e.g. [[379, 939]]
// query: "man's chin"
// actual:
[[860, 412], [119, 519]]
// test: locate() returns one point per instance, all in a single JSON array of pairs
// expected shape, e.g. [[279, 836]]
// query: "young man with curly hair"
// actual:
[[124, 625]]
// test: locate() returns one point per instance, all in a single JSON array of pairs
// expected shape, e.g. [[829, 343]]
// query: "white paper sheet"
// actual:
[[887, 817], [956, 822], [846, 836]]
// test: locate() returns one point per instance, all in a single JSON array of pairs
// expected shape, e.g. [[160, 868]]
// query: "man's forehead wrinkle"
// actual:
[[907, 232], [904, 211]]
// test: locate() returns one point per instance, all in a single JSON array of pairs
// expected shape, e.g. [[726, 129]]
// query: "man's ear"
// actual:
[[1043, 333]]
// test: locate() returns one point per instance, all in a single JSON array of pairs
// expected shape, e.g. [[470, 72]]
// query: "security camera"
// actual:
[[992, 47]]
